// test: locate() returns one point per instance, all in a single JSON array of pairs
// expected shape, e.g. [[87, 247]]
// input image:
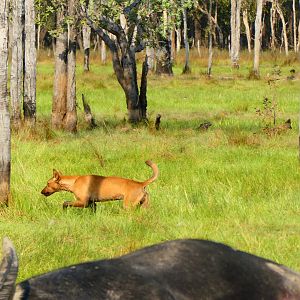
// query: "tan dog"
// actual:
[[92, 188]]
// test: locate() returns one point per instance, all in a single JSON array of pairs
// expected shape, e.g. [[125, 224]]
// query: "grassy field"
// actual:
[[232, 183]]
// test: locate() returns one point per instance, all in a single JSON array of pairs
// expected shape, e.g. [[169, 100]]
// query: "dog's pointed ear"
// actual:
[[56, 174]]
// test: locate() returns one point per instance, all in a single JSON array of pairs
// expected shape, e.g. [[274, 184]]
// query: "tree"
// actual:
[[235, 32], [64, 115], [4, 110], [86, 38], [186, 68], [247, 28], [29, 102], [164, 47], [16, 78], [257, 41], [86, 42], [127, 37], [284, 31], [210, 46]]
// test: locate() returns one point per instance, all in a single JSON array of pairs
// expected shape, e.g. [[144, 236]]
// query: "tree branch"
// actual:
[[127, 10]]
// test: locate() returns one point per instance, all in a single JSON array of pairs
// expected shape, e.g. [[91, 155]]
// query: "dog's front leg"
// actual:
[[74, 204]]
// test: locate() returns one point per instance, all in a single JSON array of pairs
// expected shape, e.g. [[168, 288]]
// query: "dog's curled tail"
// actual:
[[155, 172]]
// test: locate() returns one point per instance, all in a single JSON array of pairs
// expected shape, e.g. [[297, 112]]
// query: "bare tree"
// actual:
[[4, 110], [257, 39], [29, 101], [16, 74]]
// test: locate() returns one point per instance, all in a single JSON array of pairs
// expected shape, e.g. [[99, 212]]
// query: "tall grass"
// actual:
[[231, 183]]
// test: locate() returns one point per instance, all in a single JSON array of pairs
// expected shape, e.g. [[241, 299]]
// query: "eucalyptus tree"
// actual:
[[185, 5], [257, 39], [4, 110], [29, 101], [16, 74], [127, 27], [235, 32], [64, 115]]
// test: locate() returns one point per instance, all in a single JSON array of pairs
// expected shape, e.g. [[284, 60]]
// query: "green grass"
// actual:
[[232, 183]]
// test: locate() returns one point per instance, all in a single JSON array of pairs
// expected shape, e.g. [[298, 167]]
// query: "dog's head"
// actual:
[[52, 184]]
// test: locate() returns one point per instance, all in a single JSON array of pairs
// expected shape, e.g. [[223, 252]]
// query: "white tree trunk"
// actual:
[[86, 36], [294, 26], [284, 32], [186, 68], [257, 41], [210, 48], [103, 52], [272, 23], [4, 110], [178, 39], [16, 77], [247, 29], [235, 32], [29, 103]]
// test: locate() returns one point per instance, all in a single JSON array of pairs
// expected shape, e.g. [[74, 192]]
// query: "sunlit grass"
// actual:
[[231, 183]]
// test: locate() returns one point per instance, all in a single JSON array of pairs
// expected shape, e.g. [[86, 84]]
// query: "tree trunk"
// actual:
[[86, 36], [59, 104], [103, 52], [64, 115], [143, 90], [163, 52], [210, 48], [173, 44], [186, 68], [29, 104], [272, 23], [16, 77], [132, 95], [294, 26], [298, 44], [178, 39], [163, 58], [235, 32], [4, 110], [247, 29], [70, 122], [284, 32], [257, 45], [197, 27], [150, 52]]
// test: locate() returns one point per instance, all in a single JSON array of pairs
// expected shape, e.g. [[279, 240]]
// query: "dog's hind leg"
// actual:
[[145, 200]]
